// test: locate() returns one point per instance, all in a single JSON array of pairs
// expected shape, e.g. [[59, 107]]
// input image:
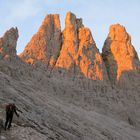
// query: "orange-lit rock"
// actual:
[[73, 50], [8, 44], [70, 42], [79, 53], [119, 54], [45, 44], [88, 58]]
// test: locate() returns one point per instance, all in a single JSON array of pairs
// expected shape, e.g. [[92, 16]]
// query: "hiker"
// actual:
[[10, 110]]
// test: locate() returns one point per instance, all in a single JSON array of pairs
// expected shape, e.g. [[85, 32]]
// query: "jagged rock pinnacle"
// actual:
[[119, 54], [70, 42], [79, 53], [45, 44], [8, 43], [73, 50]]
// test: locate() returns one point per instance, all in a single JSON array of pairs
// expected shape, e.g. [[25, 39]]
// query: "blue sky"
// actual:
[[98, 15]]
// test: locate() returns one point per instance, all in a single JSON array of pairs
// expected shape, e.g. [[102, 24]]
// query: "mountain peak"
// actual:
[[118, 32], [45, 44], [73, 50], [48, 23], [119, 54], [8, 43], [79, 54]]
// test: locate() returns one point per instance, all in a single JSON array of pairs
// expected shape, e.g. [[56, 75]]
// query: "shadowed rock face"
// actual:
[[45, 44], [119, 55], [8, 44], [10, 64]]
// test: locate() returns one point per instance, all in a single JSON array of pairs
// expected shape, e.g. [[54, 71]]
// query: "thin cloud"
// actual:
[[21, 10]]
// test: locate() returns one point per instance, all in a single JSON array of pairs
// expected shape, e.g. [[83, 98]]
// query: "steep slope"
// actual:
[[58, 108], [80, 63], [46, 117]]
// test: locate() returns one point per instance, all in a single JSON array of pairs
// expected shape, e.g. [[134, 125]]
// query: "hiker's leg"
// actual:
[[10, 121], [6, 122]]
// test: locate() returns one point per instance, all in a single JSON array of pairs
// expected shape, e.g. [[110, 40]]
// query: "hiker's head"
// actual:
[[13, 104]]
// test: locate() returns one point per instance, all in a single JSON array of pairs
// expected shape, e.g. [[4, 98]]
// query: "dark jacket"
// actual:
[[11, 109]]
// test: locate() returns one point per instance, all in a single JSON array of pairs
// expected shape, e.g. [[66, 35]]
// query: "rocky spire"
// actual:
[[79, 53], [8, 43], [88, 58], [119, 54], [45, 44], [70, 42], [73, 50]]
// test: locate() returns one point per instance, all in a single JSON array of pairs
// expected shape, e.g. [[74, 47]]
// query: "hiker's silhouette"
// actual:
[[10, 110]]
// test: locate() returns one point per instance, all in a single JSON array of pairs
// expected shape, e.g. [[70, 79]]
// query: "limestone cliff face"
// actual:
[[45, 44], [79, 53], [8, 44], [70, 42], [10, 64], [73, 50], [88, 57], [119, 55]]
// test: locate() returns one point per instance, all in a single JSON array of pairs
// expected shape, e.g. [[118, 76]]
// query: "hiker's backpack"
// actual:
[[10, 108]]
